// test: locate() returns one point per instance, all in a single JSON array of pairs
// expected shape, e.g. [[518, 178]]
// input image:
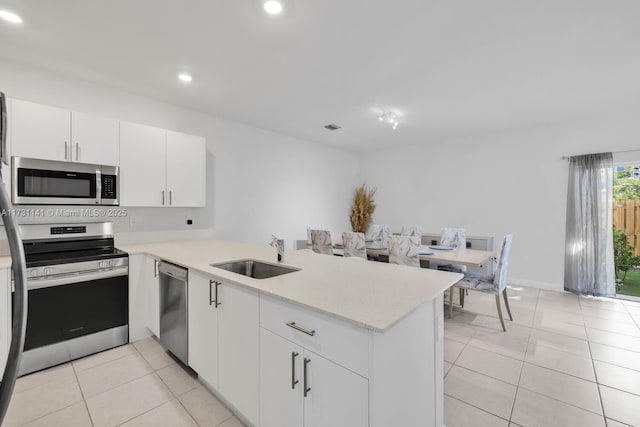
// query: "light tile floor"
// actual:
[[133, 385], [564, 361]]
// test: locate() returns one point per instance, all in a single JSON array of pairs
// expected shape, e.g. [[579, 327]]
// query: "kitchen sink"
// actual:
[[255, 269]]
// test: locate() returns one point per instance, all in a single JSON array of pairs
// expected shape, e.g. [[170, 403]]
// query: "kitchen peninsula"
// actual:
[[339, 341]]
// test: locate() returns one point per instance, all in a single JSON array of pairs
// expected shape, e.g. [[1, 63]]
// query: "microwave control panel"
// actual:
[[109, 187]]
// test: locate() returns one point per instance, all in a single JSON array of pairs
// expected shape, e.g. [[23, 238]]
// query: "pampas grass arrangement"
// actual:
[[362, 209]]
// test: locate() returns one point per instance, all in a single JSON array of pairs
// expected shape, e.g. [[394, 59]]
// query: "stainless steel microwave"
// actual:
[[49, 182]]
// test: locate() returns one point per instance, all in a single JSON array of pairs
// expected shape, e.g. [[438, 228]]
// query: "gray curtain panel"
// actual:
[[588, 267]]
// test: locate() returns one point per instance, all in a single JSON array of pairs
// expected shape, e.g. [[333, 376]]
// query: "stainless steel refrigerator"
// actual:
[[19, 321]]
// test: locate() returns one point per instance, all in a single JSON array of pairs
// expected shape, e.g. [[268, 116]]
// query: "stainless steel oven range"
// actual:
[[77, 291]]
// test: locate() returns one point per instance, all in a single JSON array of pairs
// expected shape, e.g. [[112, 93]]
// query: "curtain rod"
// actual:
[[613, 152]]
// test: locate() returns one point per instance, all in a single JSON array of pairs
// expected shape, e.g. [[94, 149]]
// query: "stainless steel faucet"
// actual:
[[279, 245]]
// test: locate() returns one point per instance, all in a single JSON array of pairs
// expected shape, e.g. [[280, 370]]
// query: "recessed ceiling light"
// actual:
[[10, 16], [272, 7], [184, 77]]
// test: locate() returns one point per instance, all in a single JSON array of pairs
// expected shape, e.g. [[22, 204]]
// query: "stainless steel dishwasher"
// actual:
[[173, 310]]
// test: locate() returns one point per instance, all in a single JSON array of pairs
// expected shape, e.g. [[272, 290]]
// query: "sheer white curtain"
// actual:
[[588, 267]]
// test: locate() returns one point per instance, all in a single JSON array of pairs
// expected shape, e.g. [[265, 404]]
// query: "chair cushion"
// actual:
[[478, 283]]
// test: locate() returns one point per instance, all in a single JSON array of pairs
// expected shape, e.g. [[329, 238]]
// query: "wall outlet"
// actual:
[[135, 221], [189, 220]]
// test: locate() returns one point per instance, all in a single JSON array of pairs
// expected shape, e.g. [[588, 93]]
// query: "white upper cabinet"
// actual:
[[142, 165], [161, 168], [40, 131], [186, 169], [50, 133], [94, 139]]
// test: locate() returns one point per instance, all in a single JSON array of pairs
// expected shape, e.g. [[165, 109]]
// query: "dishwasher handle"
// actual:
[[173, 270]]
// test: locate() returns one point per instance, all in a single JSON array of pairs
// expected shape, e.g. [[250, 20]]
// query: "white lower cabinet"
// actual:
[[300, 388], [239, 348], [281, 395], [203, 328], [278, 364], [336, 396], [144, 297], [224, 341]]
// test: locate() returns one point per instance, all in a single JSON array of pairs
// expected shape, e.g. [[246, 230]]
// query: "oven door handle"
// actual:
[[67, 279]]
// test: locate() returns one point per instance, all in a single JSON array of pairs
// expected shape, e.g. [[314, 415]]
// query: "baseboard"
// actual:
[[512, 281]]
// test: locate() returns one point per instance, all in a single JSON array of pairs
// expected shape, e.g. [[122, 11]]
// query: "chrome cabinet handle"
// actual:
[[170, 197], [162, 197], [211, 300], [217, 298], [293, 325], [305, 380], [77, 151], [66, 150], [294, 381], [155, 268]]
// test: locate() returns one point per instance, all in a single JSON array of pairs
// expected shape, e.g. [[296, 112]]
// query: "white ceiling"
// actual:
[[449, 68]]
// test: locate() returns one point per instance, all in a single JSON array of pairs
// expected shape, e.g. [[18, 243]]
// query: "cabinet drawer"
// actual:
[[338, 341]]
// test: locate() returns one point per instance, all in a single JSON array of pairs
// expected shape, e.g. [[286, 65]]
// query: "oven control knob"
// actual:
[[47, 271], [112, 263], [33, 272], [102, 264]]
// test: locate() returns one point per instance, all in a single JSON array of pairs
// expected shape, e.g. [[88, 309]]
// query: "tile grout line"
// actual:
[[595, 373], [515, 396], [84, 399], [177, 398], [103, 363], [477, 407]]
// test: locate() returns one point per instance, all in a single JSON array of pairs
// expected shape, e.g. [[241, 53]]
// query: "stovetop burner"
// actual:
[[51, 244]]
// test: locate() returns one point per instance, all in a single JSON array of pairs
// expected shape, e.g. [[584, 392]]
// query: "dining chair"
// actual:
[[495, 284], [354, 245], [378, 233], [403, 250], [411, 230], [321, 242], [456, 237], [312, 227]]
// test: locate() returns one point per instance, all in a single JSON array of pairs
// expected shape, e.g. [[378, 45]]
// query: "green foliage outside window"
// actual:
[[623, 257], [625, 185]]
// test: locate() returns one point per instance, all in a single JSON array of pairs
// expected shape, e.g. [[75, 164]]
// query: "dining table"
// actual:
[[438, 254], [461, 256]]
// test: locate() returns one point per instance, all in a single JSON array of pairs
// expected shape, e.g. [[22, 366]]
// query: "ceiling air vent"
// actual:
[[331, 126]]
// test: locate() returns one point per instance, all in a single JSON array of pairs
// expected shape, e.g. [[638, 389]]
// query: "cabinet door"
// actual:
[[152, 283], [337, 397], [144, 297], [94, 139], [281, 381], [138, 298], [203, 329], [238, 340], [142, 165], [40, 131], [186, 169]]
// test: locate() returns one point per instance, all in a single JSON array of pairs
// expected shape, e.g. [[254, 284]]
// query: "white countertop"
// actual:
[[371, 294]]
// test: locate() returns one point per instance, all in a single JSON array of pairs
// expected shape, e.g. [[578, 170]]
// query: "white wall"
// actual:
[[511, 182], [258, 182]]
